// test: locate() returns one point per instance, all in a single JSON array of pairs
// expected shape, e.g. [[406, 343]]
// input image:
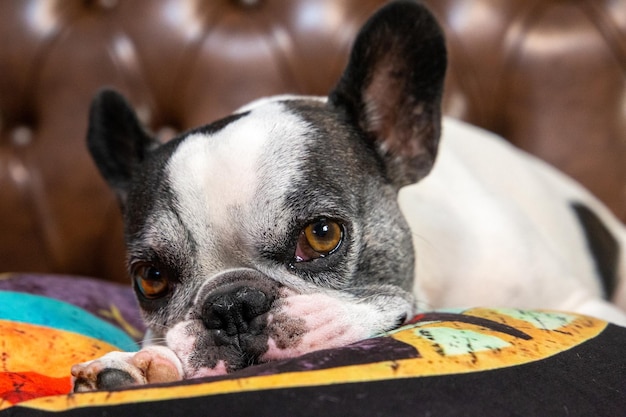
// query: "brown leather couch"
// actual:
[[547, 74]]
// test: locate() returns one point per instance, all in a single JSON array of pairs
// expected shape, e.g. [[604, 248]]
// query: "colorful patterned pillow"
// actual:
[[42, 337], [500, 362]]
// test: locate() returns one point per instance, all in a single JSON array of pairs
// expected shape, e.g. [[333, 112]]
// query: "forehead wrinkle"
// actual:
[[165, 236]]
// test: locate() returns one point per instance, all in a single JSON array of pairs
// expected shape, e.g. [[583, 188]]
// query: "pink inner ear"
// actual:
[[382, 99], [391, 114], [401, 126]]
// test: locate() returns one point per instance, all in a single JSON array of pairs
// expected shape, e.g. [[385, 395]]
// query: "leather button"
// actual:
[[22, 136], [249, 3], [165, 133], [107, 4]]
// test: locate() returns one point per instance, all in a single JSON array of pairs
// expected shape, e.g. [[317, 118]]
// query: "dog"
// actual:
[[301, 223]]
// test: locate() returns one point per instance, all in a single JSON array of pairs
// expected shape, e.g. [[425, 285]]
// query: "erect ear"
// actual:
[[391, 89], [116, 140]]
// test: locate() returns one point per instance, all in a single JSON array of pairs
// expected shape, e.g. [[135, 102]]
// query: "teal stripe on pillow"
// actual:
[[44, 311]]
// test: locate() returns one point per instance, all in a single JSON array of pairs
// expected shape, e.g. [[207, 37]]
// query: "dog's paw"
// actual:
[[152, 364]]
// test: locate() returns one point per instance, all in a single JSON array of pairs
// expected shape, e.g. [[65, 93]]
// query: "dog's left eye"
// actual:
[[151, 281], [318, 239]]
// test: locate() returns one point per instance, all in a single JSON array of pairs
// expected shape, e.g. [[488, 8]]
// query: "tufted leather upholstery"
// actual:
[[548, 74]]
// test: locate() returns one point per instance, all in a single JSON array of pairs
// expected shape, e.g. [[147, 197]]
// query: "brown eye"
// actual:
[[318, 239], [151, 281]]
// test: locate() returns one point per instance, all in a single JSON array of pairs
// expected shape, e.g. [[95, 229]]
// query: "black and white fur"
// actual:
[[216, 218]]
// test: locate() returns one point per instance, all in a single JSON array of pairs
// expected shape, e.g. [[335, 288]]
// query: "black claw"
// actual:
[[82, 385]]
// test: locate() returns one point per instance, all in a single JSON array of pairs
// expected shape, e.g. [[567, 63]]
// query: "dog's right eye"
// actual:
[[150, 281]]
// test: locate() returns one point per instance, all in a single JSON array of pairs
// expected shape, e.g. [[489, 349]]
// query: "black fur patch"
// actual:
[[217, 125], [603, 247]]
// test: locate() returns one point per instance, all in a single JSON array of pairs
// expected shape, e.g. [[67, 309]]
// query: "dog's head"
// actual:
[[276, 230]]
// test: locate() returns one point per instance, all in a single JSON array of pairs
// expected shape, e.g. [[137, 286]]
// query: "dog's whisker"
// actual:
[[426, 243]]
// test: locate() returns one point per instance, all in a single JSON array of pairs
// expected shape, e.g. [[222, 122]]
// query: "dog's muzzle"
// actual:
[[228, 327]]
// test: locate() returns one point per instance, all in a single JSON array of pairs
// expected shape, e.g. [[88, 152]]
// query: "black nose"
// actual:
[[236, 309]]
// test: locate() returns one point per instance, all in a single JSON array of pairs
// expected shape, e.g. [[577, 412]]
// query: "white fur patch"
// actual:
[[221, 178], [493, 226], [206, 170]]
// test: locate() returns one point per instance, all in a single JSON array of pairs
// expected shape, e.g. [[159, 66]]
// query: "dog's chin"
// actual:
[[296, 324]]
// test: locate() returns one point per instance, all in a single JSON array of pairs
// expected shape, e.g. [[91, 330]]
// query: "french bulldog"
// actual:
[[302, 223]]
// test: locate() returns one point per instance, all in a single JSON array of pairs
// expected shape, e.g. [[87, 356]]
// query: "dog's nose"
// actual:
[[237, 310]]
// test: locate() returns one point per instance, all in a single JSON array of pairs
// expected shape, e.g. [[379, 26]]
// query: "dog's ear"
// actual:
[[116, 140], [391, 89]]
